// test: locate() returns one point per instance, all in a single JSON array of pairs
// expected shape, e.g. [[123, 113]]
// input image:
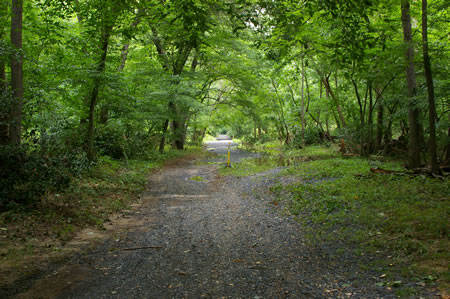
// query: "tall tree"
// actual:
[[176, 36], [4, 111], [15, 116], [413, 112], [430, 88], [109, 11]]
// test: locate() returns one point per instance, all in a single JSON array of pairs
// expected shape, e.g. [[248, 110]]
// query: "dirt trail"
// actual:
[[213, 239]]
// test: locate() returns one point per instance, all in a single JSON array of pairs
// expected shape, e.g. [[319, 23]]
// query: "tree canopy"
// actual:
[[88, 78]]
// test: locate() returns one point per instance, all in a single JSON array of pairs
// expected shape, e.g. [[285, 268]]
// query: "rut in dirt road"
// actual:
[[213, 239]]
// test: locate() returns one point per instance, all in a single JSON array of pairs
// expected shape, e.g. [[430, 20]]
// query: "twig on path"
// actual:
[[144, 247]]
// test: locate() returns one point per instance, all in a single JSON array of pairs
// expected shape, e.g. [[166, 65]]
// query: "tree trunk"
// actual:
[[380, 115], [303, 104], [15, 117], [176, 70], [104, 112], [370, 121], [3, 82], [430, 87], [328, 128], [162, 143], [95, 90], [388, 136], [4, 127], [361, 118], [330, 92], [447, 155], [413, 112], [177, 126]]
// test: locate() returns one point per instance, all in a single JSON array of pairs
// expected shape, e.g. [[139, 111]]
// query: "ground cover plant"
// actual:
[[402, 215]]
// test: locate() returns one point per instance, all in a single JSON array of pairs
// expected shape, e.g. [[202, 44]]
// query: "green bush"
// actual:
[[28, 171], [120, 141], [312, 136]]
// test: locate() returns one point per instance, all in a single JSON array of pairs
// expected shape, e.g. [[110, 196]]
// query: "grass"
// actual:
[[247, 167], [403, 215], [197, 178]]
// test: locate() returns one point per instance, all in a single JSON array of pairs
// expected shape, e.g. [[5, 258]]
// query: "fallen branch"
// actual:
[[384, 171], [144, 247]]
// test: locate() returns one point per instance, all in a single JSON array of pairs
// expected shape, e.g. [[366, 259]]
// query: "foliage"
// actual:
[[29, 173]]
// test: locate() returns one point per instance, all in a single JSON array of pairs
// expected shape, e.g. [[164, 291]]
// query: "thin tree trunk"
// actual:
[[303, 104], [328, 128], [361, 118], [104, 113], [326, 82], [380, 119], [177, 126], [15, 128], [370, 121], [430, 87], [183, 54], [95, 90], [162, 142], [123, 56], [388, 136], [447, 156], [3, 82], [413, 112], [4, 119]]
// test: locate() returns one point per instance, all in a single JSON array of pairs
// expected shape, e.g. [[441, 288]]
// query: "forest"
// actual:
[[90, 87]]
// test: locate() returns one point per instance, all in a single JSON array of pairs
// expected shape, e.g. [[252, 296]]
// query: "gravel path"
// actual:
[[217, 238]]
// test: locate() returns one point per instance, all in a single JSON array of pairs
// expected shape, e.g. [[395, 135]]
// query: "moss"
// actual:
[[197, 178]]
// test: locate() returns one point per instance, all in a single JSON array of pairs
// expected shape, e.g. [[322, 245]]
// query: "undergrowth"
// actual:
[[109, 187], [401, 215]]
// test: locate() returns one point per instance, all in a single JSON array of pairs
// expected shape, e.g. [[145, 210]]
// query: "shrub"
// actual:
[[28, 171]]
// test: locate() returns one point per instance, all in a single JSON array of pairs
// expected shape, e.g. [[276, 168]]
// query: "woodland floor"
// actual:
[[198, 234]]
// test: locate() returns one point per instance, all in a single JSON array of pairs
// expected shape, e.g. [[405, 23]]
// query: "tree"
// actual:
[[4, 103], [15, 114], [109, 12], [430, 88], [176, 36], [413, 112]]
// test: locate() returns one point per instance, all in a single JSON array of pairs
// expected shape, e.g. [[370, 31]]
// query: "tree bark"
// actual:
[[15, 117], [104, 42], [162, 143], [303, 104], [175, 68], [413, 112], [370, 120], [3, 82], [430, 88], [380, 120], [4, 115], [447, 155], [325, 81]]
